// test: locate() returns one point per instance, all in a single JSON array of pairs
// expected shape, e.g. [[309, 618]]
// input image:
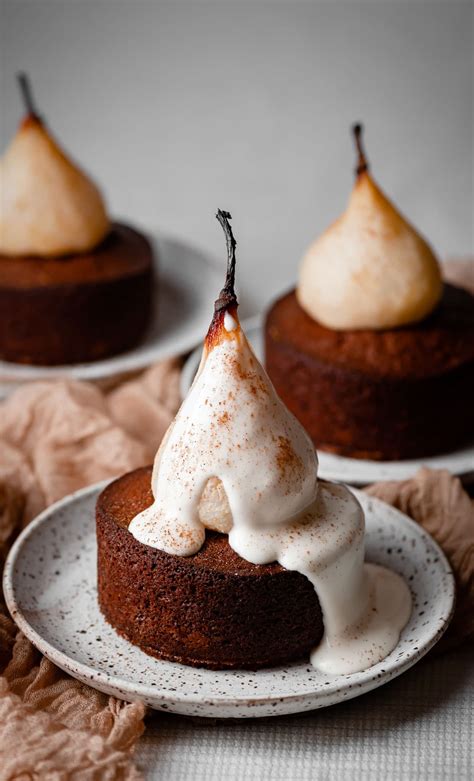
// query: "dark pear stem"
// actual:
[[227, 295], [27, 95], [362, 164]]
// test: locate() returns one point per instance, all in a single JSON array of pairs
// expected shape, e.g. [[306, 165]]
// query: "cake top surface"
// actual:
[[370, 269], [122, 499], [123, 252], [49, 206], [441, 342]]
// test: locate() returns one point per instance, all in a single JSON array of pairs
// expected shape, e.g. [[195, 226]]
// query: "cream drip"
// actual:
[[233, 427], [364, 606]]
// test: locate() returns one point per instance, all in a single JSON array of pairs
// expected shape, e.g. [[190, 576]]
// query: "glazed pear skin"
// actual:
[[370, 269], [49, 207]]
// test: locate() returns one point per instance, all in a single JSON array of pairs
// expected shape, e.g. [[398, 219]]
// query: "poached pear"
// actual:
[[49, 207], [370, 269]]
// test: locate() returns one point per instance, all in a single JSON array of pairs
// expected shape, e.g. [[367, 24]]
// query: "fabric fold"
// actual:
[[56, 437], [438, 502]]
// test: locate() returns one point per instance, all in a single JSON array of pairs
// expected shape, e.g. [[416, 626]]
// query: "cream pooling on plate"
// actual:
[[236, 454]]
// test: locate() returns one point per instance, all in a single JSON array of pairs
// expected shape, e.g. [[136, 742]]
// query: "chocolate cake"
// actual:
[[77, 308], [212, 609], [379, 394]]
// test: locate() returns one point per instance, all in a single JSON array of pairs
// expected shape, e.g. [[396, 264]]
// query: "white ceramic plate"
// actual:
[[187, 283], [355, 471], [50, 588]]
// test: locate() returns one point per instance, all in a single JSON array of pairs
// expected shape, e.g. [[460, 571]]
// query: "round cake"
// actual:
[[385, 394], [74, 286], [78, 308], [212, 609]]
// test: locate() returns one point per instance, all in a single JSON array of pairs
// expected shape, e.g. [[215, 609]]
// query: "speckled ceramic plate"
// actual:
[[355, 471], [50, 588], [186, 283]]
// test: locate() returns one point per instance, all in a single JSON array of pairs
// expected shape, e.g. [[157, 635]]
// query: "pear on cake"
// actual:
[[74, 286], [371, 352]]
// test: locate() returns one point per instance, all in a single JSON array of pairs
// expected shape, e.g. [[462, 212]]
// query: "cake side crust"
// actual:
[[75, 310], [327, 380], [212, 609]]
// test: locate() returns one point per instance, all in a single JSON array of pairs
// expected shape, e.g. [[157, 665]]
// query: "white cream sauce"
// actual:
[[364, 606]]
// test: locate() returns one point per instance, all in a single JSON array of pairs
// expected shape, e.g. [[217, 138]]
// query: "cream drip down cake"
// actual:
[[74, 286], [231, 552], [370, 351]]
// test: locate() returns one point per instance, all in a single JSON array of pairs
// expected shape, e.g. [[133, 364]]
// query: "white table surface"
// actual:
[[420, 726]]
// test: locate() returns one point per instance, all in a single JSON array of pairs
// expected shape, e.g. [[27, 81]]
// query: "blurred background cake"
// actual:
[[74, 285], [372, 352]]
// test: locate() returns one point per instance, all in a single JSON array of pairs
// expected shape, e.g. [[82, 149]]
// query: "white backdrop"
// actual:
[[178, 108]]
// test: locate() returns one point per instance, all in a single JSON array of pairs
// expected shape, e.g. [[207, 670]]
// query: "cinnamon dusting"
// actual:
[[288, 462]]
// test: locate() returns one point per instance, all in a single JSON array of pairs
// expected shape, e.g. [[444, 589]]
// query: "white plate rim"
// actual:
[[131, 691], [354, 471]]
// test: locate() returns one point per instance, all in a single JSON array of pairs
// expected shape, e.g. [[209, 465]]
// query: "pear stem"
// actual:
[[227, 295], [362, 164], [27, 95]]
